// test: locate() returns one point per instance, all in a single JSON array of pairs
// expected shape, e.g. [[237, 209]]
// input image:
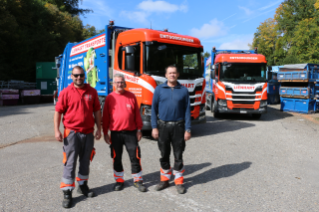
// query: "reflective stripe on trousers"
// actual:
[[166, 174], [179, 179], [118, 176], [137, 176]]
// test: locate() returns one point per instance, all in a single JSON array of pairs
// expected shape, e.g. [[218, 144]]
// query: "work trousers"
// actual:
[[76, 145], [171, 134], [129, 140]]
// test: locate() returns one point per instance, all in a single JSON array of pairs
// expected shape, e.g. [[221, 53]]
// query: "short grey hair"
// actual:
[[119, 75]]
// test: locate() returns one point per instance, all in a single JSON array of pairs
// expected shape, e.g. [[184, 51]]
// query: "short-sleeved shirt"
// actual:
[[77, 106], [121, 112]]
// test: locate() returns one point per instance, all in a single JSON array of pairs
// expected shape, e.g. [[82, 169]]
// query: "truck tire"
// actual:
[[206, 107], [256, 116], [213, 109]]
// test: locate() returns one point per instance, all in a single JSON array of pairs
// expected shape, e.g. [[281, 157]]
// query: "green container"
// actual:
[[47, 86], [44, 70]]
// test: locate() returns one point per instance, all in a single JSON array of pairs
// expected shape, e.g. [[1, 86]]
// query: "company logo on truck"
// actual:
[[92, 43], [244, 87], [171, 37], [188, 85]]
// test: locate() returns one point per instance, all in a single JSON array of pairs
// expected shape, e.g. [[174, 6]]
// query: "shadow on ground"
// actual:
[[204, 177]]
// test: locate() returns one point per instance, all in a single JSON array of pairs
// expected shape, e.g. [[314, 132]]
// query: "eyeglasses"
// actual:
[[76, 75], [118, 82]]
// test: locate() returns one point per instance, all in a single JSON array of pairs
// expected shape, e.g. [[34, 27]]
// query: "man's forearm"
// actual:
[[97, 117], [57, 120]]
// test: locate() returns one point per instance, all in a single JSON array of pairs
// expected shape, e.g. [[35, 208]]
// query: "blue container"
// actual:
[[308, 92], [298, 73], [273, 87], [273, 99], [298, 105]]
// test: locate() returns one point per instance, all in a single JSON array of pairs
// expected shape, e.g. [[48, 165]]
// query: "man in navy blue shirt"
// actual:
[[171, 124]]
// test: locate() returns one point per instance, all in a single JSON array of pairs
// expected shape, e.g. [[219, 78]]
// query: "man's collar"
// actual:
[[178, 85]]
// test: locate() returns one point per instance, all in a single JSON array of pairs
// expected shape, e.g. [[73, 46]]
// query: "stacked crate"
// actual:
[[9, 96], [298, 87]]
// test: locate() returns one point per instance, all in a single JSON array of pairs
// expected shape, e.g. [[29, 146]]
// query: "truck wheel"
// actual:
[[206, 107], [256, 116], [213, 109]]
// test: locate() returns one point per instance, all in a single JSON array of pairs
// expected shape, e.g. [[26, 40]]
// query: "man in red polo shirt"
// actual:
[[79, 104], [121, 115]]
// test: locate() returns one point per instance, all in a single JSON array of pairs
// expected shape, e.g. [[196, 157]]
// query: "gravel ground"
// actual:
[[231, 164]]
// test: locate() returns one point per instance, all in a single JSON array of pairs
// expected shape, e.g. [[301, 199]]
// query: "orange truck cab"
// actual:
[[236, 82], [141, 55]]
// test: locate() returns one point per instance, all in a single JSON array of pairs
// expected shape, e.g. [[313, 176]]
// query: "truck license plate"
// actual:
[[243, 111]]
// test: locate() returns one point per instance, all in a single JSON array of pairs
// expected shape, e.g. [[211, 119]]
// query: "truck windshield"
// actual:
[[243, 72], [187, 60]]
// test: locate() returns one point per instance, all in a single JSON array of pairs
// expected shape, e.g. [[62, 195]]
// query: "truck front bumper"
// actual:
[[223, 109]]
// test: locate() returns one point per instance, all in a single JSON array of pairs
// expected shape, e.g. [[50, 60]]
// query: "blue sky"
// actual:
[[228, 24]]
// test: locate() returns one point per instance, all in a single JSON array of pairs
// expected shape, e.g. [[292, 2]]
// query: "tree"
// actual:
[[69, 6], [292, 36], [206, 54], [33, 31], [265, 40], [89, 31]]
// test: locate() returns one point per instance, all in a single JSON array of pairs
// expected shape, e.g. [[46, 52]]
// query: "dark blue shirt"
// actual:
[[171, 104]]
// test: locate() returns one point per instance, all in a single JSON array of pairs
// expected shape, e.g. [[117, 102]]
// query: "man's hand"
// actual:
[[139, 135], [107, 139], [58, 135], [155, 133], [187, 136], [98, 134]]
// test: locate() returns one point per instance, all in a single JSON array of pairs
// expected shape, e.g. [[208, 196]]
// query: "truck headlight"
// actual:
[[146, 110], [222, 102], [263, 103]]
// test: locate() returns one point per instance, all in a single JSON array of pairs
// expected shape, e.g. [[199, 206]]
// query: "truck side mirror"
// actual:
[[130, 58]]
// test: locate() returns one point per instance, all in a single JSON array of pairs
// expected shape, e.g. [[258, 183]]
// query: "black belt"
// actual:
[[170, 122], [125, 131]]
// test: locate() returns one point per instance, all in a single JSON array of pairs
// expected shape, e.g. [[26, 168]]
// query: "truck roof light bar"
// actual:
[[111, 22], [165, 30]]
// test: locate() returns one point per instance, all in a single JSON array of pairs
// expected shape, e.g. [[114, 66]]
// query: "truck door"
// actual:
[[129, 59]]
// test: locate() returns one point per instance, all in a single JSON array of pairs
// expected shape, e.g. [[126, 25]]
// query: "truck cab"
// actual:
[[236, 82]]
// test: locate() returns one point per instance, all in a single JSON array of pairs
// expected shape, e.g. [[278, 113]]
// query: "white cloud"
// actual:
[[259, 15], [239, 43], [270, 5], [138, 16], [212, 29], [99, 7], [247, 11], [229, 17], [161, 6], [146, 8], [101, 13]]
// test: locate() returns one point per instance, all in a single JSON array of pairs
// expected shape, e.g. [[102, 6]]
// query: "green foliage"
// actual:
[[36, 31], [292, 36], [89, 31], [206, 54], [69, 6]]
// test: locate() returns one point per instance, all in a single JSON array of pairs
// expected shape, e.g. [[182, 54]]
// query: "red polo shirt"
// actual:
[[77, 107], [121, 112]]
